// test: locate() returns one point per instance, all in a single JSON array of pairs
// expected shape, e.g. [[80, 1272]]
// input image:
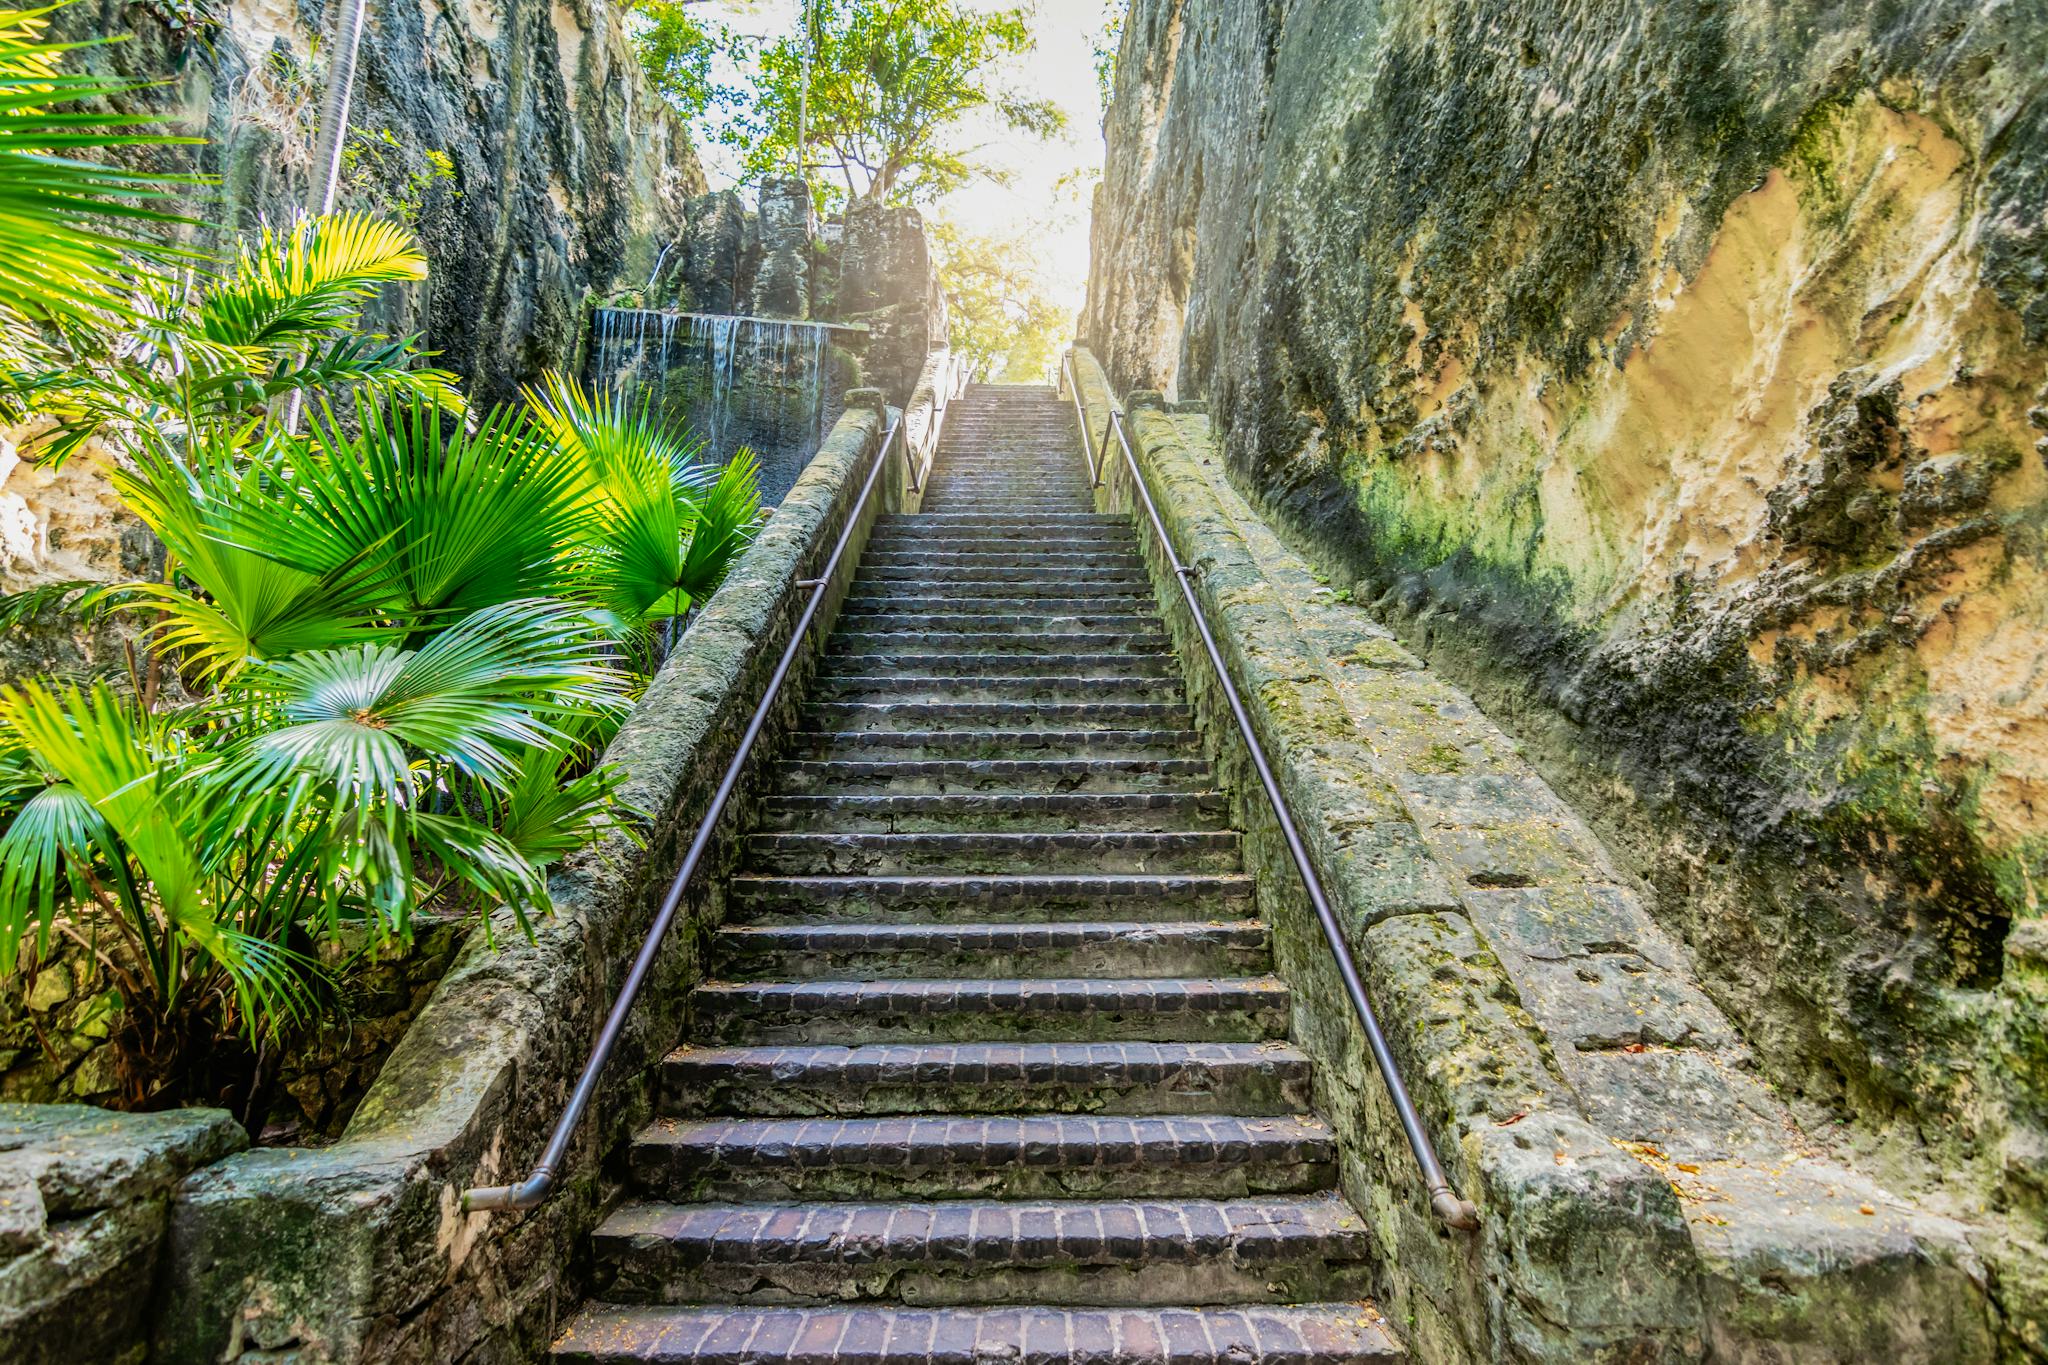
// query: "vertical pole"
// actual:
[[334, 105], [803, 99]]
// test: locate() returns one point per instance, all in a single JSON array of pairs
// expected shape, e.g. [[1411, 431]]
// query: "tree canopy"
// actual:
[[1003, 315], [896, 89]]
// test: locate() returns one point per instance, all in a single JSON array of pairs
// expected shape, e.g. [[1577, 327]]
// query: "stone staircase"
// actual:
[[993, 1066]]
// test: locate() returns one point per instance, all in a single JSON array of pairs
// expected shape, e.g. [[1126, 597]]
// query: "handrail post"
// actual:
[[1444, 1201], [531, 1191]]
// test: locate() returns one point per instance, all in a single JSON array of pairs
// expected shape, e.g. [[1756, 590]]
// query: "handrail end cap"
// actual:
[[1454, 1212]]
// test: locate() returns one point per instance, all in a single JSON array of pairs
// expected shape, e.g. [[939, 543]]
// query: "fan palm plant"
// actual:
[[203, 854], [71, 230], [206, 359], [665, 526]]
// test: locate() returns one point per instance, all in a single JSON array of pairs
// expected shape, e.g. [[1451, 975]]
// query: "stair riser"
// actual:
[[700, 1176], [788, 1089], [855, 855], [640, 1273], [942, 611], [747, 1024], [939, 777], [1120, 541], [854, 646], [1210, 953], [897, 718], [874, 689], [1327, 1334], [940, 657], [1140, 629], [763, 901], [948, 815], [1045, 561], [997, 745], [873, 588]]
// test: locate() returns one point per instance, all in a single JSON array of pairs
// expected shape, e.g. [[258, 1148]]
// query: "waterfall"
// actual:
[[731, 382]]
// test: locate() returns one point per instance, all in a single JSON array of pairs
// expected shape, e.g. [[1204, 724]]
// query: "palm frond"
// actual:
[[647, 491], [471, 517], [70, 228], [276, 578], [290, 286], [360, 721]]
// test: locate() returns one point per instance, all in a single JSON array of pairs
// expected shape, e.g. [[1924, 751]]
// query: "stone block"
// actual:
[[83, 1194]]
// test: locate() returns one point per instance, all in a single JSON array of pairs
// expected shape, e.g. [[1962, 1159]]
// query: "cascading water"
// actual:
[[732, 382]]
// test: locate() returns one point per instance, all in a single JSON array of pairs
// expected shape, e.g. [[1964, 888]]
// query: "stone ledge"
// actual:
[[84, 1195], [1643, 1193], [360, 1251]]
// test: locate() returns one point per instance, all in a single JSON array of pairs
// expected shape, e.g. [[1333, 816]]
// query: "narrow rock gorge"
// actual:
[[1675, 379]]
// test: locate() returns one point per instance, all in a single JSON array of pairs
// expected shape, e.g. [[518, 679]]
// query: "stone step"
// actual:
[[1044, 558], [981, 900], [1128, 621], [1026, 581], [1312, 1334], [984, 1078], [1036, 608], [883, 745], [996, 811], [959, 687], [1023, 1156], [1056, 1009], [972, 1251], [1072, 948], [943, 776], [862, 644], [988, 502], [999, 540], [966, 663], [886, 716], [1049, 528], [840, 853]]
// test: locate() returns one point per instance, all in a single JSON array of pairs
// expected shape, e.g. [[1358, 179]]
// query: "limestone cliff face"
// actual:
[[1676, 376]]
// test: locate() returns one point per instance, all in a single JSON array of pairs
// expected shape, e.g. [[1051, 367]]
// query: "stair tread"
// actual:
[[994, 1139], [1309, 1334], [1002, 1232]]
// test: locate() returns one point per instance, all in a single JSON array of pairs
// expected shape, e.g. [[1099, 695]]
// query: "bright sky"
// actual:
[[1061, 69]]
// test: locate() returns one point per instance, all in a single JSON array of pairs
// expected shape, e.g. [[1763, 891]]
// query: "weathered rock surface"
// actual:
[[887, 280], [1643, 1194], [788, 226], [1673, 378], [561, 174], [83, 1200]]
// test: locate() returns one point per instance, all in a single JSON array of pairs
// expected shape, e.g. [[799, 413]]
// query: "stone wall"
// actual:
[[1672, 377], [359, 1251], [1643, 1194]]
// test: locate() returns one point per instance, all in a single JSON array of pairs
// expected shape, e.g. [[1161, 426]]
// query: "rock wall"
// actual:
[[517, 136], [1676, 378]]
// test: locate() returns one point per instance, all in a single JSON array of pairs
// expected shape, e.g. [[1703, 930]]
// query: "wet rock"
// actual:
[[715, 253]]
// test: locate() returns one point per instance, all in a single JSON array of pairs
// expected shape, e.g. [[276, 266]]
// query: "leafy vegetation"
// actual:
[[1002, 313], [895, 88], [385, 651]]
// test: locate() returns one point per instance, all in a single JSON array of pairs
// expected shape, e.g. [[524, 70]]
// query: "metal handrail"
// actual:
[[529, 1192], [1095, 466], [1444, 1201]]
